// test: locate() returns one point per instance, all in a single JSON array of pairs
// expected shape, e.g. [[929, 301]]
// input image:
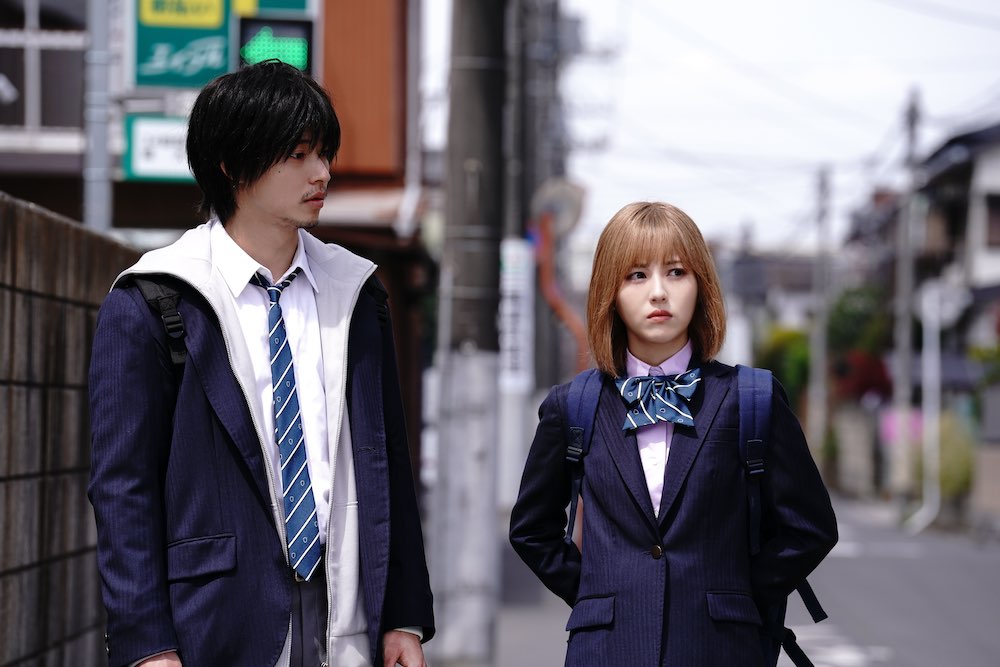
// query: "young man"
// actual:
[[255, 504]]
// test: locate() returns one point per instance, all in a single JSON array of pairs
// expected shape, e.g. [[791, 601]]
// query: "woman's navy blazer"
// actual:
[[682, 589]]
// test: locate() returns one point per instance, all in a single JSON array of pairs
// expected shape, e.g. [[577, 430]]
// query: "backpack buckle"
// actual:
[[574, 450], [755, 462], [174, 324]]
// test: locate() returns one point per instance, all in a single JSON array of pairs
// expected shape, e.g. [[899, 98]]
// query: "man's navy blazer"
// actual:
[[679, 588], [197, 564]]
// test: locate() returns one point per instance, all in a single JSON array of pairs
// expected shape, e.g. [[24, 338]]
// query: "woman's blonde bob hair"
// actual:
[[638, 234]]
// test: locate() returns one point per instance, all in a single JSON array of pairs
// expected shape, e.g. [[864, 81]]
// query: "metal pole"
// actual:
[[406, 219], [97, 200], [465, 527], [900, 469], [818, 358], [32, 67]]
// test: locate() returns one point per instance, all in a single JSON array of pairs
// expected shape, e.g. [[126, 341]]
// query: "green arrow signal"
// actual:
[[264, 45]]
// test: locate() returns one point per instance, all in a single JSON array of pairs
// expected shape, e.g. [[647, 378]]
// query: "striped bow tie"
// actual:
[[658, 398]]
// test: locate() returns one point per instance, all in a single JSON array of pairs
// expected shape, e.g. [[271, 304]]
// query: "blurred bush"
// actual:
[[786, 353], [958, 447]]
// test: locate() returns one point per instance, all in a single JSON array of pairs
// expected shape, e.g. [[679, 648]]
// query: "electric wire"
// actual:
[[757, 74], [955, 15]]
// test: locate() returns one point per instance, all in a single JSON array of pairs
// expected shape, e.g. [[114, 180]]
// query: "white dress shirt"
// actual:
[[654, 440], [298, 309]]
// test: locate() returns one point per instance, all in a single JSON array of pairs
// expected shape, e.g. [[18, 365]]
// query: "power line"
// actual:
[[758, 74], [965, 17], [984, 104], [759, 163]]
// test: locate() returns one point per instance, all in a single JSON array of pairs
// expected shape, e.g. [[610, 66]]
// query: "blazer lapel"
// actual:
[[221, 382], [688, 440], [623, 449]]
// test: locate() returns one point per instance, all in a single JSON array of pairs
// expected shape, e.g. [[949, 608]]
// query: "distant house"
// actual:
[[775, 285], [962, 187]]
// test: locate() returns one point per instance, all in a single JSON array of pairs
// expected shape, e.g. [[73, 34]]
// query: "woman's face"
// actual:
[[656, 302]]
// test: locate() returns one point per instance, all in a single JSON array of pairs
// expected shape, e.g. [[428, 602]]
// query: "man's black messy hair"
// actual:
[[245, 122]]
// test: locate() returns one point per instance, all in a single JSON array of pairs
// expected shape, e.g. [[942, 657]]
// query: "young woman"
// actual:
[[664, 574]]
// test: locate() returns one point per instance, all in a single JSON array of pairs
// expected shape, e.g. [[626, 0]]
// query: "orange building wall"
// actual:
[[364, 68]]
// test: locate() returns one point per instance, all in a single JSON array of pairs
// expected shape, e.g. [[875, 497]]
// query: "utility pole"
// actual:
[[97, 163], [465, 547], [900, 468], [817, 416]]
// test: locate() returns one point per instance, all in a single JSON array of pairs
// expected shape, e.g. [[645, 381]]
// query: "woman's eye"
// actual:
[[676, 272], [636, 275]]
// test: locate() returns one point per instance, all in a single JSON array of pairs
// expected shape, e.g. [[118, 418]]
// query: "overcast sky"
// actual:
[[729, 109]]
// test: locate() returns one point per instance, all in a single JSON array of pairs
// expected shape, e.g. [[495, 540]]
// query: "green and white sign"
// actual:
[[155, 148], [181, 43]]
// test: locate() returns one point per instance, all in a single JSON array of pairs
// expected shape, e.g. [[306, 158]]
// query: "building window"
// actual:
[[993, 220], [42, 47]]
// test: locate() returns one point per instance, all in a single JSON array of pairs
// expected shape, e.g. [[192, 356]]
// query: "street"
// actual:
[[902, 601], [894, 600]]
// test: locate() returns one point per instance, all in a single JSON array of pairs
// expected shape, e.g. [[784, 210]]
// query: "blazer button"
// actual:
[[656, 552]]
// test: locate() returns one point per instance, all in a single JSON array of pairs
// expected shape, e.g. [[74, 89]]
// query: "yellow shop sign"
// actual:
[[182, 13]]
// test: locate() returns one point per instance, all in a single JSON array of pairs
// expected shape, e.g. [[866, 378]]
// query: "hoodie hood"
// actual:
[[189, 258]]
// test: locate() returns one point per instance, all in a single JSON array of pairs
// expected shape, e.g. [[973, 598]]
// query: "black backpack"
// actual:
[[755, 388]]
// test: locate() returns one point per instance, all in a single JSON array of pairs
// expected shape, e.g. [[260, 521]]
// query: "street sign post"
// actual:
[[939, 305]]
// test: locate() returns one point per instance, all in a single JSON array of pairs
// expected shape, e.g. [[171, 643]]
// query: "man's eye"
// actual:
[[297, 156]]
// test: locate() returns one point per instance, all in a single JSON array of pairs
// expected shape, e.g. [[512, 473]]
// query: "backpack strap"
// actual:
[[755, 391], [789, 642], [811, 602], [373, 287], [581, 408], [163, 299], [755, 388]]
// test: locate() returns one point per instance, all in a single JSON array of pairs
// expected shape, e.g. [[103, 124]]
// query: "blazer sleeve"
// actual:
[[131, 387], [408, 599], [538, 519], [798, 525]]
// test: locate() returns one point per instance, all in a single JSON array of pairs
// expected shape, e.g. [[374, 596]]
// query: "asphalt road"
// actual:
[[894, 600], [897, 600]]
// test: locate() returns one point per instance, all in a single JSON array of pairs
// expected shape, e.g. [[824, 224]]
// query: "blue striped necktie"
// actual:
[[658, 398], [301, 524]]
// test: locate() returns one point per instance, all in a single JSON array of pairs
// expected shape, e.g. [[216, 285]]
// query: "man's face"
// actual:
[[291, 192]]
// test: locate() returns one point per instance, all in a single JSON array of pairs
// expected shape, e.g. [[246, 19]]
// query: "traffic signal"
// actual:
[[288, 40]]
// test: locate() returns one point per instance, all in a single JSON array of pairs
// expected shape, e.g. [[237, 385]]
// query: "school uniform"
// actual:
[[665, 576], [185, 482]]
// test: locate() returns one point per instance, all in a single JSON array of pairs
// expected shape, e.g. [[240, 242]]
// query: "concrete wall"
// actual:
[[985, 501], [53, 276]]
